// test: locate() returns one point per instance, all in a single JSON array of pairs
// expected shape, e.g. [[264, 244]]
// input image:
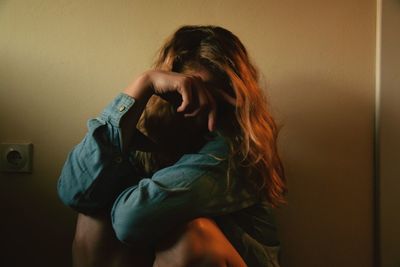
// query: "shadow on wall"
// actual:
[[36, 228], [326, 148]]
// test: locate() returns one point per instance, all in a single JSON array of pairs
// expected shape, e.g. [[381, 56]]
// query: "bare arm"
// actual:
[[195, 98]]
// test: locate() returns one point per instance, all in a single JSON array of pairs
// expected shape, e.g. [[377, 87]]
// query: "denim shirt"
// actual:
[[98, 177]]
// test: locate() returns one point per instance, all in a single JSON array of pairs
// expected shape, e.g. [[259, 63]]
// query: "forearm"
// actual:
[[140, 90], [97, 169], [196, 186]]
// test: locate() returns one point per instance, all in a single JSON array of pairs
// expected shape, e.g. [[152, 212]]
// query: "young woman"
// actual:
[[182, 168]]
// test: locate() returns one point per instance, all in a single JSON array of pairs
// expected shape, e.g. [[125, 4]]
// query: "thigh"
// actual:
[[95, 245], [198, 243]]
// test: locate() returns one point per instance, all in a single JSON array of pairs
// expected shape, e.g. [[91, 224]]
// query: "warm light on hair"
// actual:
[[243, 116]]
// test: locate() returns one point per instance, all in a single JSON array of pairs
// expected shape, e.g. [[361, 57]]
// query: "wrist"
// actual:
[[141, 89]]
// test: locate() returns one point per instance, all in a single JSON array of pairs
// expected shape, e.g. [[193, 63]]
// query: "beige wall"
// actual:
[[390, 133], [62, 61]]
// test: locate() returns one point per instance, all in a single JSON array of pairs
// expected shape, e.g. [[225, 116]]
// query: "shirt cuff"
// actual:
[[117, 109]]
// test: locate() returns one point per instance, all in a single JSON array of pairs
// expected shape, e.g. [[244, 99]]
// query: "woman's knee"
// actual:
[[200, 243], [202, 226]]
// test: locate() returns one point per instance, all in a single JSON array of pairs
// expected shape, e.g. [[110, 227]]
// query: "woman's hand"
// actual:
[[193, 91]]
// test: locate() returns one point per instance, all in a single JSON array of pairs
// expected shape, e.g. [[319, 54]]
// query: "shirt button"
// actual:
[[118, 160], [122, 108]]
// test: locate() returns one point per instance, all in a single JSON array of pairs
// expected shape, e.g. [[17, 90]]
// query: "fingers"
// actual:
[[205, 102], [212, 110], [200, 100], [196, 97], [185, 90], [212, 115]]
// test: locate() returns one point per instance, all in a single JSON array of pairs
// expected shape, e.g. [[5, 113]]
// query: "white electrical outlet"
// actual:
[[16, 157]]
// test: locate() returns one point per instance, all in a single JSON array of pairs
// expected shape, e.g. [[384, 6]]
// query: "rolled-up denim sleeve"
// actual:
[[196, 186], [96, 170]]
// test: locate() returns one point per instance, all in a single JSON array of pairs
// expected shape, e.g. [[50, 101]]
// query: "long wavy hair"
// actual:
[[242, 115]]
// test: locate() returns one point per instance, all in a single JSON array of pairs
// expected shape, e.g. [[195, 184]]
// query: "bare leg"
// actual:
[[199, 244], [95, 245]]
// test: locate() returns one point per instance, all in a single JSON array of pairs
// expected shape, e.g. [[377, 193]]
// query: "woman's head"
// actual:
[[212, 48], [242, 114]]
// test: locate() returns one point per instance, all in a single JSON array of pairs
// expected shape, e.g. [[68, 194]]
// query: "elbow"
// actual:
[[68, 197], [74, 198], [68, 188], [131, 226], [125, 227], [123, 233], [65, 195]]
